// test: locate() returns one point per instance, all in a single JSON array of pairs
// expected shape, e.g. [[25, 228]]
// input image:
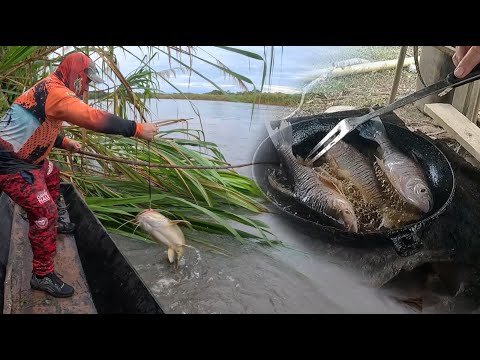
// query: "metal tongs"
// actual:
[[349, 124]]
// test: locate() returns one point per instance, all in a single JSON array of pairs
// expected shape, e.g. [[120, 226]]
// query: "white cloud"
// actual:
[[282, 89], [202, 84], [291, 65]]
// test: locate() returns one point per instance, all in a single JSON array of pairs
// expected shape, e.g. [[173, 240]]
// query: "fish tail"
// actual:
[[373, 129], [283, 138], [279, 187]]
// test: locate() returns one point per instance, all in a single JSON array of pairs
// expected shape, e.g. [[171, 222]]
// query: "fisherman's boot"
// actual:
[[63, 225], [51, 284]]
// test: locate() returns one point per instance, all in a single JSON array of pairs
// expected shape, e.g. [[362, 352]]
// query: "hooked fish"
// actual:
[[164, 231], [316, 192], [404, 174]]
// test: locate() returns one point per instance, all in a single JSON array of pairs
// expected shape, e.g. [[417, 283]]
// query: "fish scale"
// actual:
[[369, 217], [347, 163], [398, 212], [350, 163], [392, 196], [316, 193]]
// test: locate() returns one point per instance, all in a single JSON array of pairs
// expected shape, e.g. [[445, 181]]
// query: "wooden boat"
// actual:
[[103, 278]]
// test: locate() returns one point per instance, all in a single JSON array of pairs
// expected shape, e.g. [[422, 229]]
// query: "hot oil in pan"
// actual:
[[371, 218]]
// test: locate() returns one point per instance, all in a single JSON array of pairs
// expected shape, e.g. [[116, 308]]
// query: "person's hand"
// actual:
[[72, 146], [465, 59], [148, 131]]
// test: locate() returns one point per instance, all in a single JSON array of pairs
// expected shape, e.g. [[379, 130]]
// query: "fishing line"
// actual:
[[149, 178]]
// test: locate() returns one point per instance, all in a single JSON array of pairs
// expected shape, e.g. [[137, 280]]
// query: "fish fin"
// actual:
[[279, 187], [373, 130], [414, 155], [329, 183], [325, 176], [344, 174], [330, 161], [300, 160], [175, 222], [171, 255], [283, 136], [380, 163], [386, 222]]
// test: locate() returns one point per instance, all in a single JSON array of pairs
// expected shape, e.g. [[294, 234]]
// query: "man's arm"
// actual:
[[62, 142], [58, 141], [62, 105]]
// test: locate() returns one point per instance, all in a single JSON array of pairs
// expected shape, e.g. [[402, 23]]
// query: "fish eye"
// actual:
[[422, 190]]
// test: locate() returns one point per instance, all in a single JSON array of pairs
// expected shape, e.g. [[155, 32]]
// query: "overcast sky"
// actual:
[[290, 67]]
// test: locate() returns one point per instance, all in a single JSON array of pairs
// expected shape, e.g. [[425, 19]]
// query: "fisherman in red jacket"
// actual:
[[28, 131]]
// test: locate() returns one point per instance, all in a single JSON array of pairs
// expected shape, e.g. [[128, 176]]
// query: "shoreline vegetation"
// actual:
[[279, 99], [343, 80]]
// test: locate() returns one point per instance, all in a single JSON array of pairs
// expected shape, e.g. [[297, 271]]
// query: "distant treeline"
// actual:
[[244, 97], [256, 97]]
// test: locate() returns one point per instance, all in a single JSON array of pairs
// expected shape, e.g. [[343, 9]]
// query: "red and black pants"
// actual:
[[37, 191]]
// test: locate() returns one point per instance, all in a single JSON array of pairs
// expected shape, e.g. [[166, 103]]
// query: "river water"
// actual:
[[308, 277]]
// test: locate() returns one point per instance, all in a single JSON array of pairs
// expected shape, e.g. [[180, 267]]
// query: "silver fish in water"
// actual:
[[164, 231]]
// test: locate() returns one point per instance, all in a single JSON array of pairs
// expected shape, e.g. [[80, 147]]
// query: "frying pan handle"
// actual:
[[474, 75], [406, 244]]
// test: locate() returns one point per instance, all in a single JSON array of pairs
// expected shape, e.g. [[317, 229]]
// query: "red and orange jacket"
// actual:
[[29, 128]]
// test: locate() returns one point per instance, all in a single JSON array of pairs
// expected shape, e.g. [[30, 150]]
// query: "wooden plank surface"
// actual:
[[457, 125], [19, 298], [435, 65], [465, 99]]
